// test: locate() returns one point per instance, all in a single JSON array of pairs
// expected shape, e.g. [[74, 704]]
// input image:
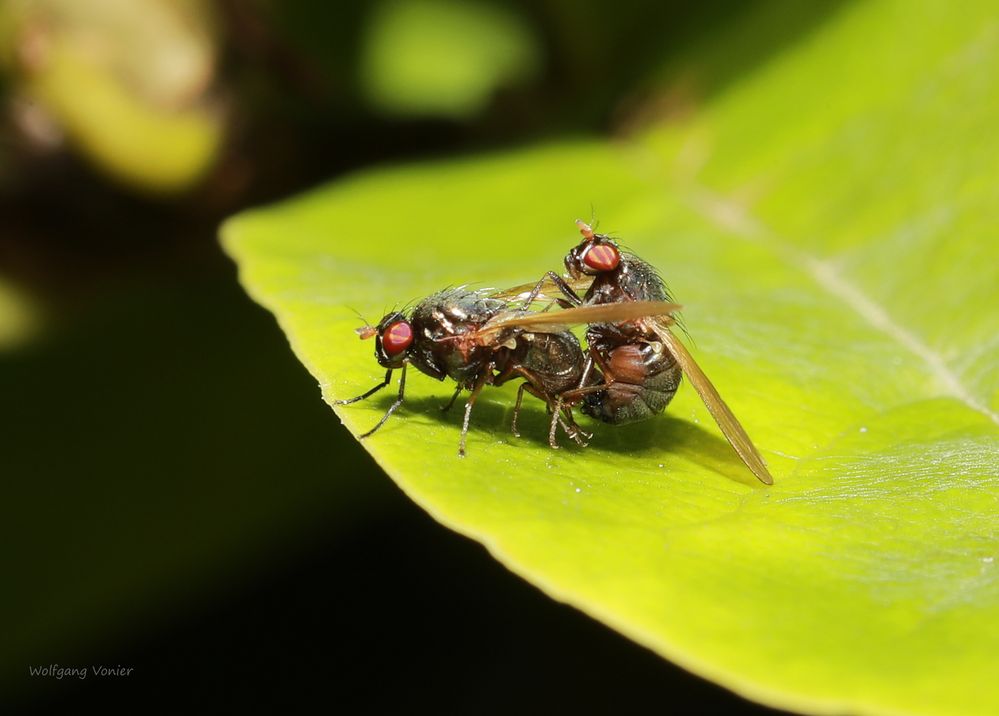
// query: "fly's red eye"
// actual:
[[397, 338], [602, 257]]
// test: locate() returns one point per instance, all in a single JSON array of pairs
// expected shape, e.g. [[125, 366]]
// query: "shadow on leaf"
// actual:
[[656, 439]]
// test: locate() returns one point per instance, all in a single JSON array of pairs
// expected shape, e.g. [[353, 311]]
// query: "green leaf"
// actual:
[[829, 221]]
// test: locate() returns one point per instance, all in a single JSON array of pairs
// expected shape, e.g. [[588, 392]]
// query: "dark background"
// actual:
[[177, 498]]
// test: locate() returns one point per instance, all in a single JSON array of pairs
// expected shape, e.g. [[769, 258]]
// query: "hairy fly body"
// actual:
[[641, 360], [478, 338]]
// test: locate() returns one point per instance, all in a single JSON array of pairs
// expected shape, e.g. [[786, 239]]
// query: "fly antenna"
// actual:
[[358, 314], [594, 221], [367, 330]]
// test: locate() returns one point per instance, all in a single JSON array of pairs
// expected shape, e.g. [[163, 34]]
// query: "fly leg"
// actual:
[[560, 284], [573, 430], [508, 373], [447, 406], [587, 369], [388, 379], [537, 394], [535, 386], [564, 402], [532, 385], [556, 418], [516, 408], [606, 374], [396, 404], [554, 410], [561, 413], [479, 383]]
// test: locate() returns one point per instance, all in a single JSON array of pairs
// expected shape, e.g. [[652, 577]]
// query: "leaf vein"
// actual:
[[733, 217]]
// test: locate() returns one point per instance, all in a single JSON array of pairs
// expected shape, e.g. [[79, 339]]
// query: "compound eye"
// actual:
[[602, 257], [397, 338]]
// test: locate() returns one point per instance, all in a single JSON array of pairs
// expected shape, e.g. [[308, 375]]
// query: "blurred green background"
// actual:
[[177, 497]]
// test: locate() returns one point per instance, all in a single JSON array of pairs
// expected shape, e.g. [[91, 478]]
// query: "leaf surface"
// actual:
[[829, 222]]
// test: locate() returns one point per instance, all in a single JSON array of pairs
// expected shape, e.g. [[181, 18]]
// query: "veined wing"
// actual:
[[549, 292], [554, 321], [729, 424]]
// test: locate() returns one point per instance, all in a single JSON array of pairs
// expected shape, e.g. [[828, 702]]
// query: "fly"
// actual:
[[479, 338], [641, 361]]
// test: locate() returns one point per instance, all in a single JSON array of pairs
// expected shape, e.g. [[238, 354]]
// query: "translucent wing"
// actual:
[[722, 414], [549, 292], [553, 321]]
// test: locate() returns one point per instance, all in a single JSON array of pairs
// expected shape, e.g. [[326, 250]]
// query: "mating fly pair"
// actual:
[[630, 371], [480, 338]]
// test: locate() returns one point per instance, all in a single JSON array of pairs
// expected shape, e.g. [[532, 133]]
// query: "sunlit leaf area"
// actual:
[[205, 205]]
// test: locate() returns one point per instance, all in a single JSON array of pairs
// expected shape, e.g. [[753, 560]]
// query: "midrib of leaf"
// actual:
[[732, 217], [683, 173]]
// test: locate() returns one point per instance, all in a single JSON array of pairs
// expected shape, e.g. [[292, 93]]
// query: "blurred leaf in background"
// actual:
[[442, 57], [19, 317], [128, 82]]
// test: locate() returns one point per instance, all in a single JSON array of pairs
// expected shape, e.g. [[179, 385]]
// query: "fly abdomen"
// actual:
[[641, 378], [556, 358]]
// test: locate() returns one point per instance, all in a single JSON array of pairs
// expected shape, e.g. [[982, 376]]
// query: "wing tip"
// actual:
[[764, 476]]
